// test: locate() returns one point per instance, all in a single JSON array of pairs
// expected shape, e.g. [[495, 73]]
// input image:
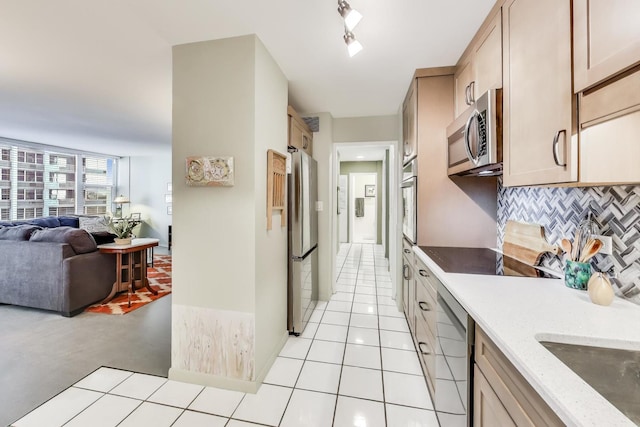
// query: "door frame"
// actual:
[[345, 214], [395, 229], [351, 209]]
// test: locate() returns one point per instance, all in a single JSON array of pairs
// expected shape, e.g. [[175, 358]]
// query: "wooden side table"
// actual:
[[131, 266]]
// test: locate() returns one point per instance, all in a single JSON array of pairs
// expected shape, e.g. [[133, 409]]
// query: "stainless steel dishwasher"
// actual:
[[454, 362]]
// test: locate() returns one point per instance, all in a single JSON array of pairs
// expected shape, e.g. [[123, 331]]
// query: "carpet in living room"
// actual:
[[159, 278]]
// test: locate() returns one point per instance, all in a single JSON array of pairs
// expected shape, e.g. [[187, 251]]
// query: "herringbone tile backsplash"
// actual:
[[615, 210]]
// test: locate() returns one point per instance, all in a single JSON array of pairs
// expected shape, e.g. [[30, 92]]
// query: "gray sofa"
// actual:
[[57, 269]]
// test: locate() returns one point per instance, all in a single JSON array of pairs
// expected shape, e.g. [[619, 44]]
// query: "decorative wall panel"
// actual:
[[215, 342], [616, 211]]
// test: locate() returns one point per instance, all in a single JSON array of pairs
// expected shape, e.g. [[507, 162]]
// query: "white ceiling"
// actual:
[[96, 74], [362, 153]]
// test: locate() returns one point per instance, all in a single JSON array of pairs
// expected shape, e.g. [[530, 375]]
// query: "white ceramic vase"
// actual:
[[600, 289]]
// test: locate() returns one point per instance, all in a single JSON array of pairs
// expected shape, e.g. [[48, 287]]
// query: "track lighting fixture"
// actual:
[[353, 45], [351, 16]]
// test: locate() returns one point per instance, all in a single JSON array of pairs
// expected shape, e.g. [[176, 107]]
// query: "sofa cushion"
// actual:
[[18, 232], [93, 224], [16, 222], [80, 241], [47, 222], [69, 221]]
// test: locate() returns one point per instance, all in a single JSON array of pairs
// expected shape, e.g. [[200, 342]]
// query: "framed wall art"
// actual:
[[370, 191], [209, 171]]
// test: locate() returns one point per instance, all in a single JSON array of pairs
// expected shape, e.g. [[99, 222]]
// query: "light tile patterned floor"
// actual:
[[354, 365]]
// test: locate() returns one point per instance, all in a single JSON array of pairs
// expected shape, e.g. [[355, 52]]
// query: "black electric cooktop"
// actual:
[[481, 261]]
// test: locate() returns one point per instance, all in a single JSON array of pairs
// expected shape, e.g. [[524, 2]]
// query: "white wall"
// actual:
[[271, 246], [148, 177], [229, 99], [365, 129]]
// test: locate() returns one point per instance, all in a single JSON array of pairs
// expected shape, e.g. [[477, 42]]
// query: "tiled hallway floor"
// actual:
[[354, 365]]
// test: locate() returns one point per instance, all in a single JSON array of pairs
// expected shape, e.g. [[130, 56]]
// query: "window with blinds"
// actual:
[[37, 182]]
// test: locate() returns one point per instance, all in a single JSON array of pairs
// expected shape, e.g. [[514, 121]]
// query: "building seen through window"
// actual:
[[39, 182]]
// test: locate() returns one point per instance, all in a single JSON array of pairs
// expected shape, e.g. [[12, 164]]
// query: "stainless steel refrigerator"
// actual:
[[303, 240]]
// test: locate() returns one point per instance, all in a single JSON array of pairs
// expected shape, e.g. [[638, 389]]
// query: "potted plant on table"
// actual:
[[122, 228]]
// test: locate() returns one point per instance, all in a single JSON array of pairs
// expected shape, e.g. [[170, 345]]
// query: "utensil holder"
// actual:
[[577, 274]]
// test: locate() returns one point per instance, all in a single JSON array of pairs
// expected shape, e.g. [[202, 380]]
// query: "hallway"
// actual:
[[354, 365]]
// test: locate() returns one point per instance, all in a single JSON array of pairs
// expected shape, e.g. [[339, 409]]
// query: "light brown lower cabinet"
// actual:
[[488, 410], [420, 295], [502, 397], [408, 284], [426, 345]]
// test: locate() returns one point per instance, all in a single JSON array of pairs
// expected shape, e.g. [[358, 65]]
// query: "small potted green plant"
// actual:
[[122, 228]]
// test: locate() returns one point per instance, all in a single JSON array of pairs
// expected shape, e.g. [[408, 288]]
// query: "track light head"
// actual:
[[353, 45], [351, 16]]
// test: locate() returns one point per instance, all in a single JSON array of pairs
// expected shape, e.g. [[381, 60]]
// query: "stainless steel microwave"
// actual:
[[474, 140]]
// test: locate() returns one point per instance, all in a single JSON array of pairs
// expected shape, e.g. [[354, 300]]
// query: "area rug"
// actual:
[[160, 280]]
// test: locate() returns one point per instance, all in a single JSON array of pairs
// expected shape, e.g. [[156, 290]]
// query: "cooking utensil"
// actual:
[[526, 242], [566, 246], [591, 249], [575, 252], [587, 229]]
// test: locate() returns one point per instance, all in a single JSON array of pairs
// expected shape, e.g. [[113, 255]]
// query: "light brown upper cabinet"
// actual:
[[462, 84], [480, 67], [606, 38], [609, 128], [300, 136], [409, 124], [539, 130]]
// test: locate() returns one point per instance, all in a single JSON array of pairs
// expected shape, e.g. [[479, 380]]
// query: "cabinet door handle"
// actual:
[[405, 272], [407, 251], [422, 306], [425, 352], [472, 97], [466, 95], [305, 142], [423, 273], [556, 139]]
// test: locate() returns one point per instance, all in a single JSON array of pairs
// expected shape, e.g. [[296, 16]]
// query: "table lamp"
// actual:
[[119, 201]]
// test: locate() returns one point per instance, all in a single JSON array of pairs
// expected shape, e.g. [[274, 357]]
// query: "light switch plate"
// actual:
[[319, 206]]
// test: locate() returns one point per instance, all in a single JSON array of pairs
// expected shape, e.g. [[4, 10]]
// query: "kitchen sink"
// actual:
[[613, 373]]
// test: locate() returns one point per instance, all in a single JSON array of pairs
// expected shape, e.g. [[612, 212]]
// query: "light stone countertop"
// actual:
[[516, 312]]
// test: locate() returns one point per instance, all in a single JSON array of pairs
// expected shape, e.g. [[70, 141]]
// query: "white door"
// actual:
[[343, 206], [363, 208]]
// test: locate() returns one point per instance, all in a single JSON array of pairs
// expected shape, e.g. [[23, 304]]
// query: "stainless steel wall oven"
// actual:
[[409, 201]]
